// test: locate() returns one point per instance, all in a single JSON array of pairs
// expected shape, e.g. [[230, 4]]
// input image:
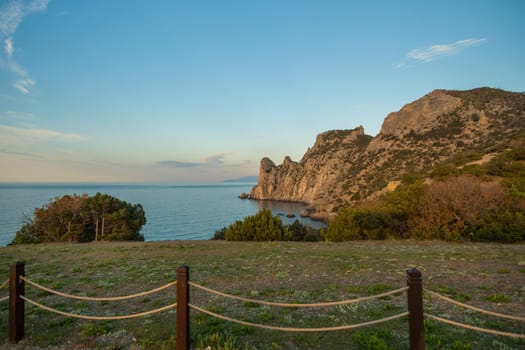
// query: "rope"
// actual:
[[334, 303], [98, 318], [4, 284], [492, 313], [4, 298], [478, 329], [65, 295], [289, 329]]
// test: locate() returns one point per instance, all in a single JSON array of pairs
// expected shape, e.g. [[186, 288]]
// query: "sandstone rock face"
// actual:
[[420, 116], [345, 167]]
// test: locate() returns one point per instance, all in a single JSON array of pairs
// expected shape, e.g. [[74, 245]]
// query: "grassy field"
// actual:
[[490, 276]]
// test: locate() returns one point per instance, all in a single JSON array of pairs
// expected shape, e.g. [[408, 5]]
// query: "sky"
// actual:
[[169, 91]]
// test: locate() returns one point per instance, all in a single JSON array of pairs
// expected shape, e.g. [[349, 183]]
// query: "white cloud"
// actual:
[[17, 69], [177, 164], [210, 161], [8, 46], [23, 85], [34, 134], [37, 5], [12, 14], [216, 159], [438, 51]]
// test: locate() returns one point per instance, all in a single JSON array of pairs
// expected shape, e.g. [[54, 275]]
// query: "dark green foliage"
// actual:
[[342, 227], [27, 234], [474, 169], [300, 232], [507, 226], [265, 227], [259, 227], [77, 218], [443, 172], [366, 341]]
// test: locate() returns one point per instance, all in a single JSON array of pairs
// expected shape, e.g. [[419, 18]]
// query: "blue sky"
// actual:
[[199, 91]]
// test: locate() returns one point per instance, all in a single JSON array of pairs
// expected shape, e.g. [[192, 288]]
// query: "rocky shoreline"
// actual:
[[308, 212]]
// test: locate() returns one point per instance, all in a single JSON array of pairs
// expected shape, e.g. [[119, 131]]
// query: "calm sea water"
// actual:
[[185, 212]]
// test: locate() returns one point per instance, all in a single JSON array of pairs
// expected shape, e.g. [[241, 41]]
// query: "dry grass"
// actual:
[[490, 276]]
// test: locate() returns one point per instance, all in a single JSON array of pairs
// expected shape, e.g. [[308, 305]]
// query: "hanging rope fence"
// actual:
[[487, 312], [292, 329], [474, 328], [324, 304], [98, 318], [125, 297], [415, 306], [473, 308]]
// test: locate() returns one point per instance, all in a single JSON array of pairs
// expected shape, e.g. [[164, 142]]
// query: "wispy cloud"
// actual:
[[24, 154], [37, 5], [8, 47], [215, 159], [10, 133], [23, 85], [210, 161], [176, 164], [12, 14], [19, 119], [435, 52]]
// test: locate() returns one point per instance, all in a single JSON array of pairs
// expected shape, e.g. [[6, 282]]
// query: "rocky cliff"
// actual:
[[347, 166]]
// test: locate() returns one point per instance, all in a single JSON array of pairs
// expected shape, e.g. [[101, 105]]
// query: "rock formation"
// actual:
[[347, 166]]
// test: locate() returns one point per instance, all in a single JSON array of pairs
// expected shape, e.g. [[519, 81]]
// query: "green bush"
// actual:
[[265, 227], [508, 226], [342, 227]]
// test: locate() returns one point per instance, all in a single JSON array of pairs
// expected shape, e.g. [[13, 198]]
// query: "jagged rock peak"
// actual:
[[267, 165]]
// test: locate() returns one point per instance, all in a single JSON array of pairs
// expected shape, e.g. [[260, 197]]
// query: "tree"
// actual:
[[77, 218]]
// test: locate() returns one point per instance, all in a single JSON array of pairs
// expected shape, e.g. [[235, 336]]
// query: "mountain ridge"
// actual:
[[346, 167]]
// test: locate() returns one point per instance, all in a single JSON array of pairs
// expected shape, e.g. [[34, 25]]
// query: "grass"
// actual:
[[489, 276]]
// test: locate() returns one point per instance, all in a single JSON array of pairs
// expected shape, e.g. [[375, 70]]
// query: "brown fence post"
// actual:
[[16, 304], [183, 309], [415, 310]]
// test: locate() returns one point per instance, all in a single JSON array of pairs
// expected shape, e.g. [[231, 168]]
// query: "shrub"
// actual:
[[259, 227], [342, 227], [265, 227]]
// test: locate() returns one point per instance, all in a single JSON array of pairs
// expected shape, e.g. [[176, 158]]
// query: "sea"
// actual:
[[173, 212]]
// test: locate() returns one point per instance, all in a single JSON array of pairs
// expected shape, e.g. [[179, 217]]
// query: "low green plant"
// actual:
[[498, 298], [367, 341]]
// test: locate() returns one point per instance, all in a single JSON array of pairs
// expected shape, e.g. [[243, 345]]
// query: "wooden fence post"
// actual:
[[415, 309], [183, 309], [16, 304]]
